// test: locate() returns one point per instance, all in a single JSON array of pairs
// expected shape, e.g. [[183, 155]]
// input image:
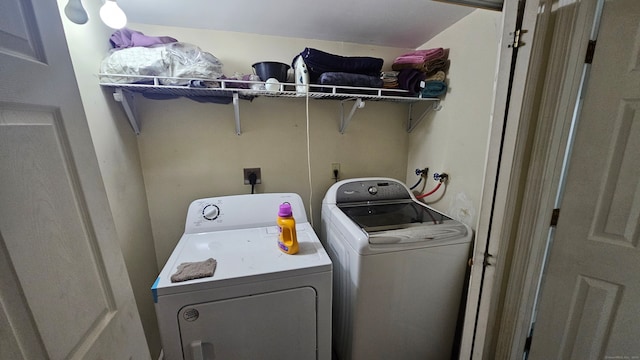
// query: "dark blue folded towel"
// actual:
[[319, 62], [348, 79]]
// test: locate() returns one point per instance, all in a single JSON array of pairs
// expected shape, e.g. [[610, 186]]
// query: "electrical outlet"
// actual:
[[248, 171], [335, 171]]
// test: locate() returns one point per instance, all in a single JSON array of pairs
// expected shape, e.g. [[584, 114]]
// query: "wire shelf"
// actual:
[[250, 89], [232, 90]]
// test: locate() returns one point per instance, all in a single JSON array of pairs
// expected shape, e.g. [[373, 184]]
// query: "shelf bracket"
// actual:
[[411, 123], [344, 122], [126, 98], [236, 112]]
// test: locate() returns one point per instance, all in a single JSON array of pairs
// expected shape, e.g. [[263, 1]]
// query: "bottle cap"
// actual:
[[285, 209]]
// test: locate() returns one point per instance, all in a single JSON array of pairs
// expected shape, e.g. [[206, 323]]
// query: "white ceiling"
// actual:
[[395, 23]]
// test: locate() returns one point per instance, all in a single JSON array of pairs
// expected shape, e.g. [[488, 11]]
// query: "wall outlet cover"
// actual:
[[248, 171]]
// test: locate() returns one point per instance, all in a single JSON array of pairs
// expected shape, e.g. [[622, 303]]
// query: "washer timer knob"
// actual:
[[373, 190], [210, 212]]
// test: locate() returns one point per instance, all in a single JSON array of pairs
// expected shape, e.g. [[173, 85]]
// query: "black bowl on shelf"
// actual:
[[271, 69]]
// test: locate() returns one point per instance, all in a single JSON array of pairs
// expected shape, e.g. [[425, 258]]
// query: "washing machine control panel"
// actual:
[[371, 190]]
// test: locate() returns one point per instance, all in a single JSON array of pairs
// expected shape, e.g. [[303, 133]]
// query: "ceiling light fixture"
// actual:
[[112, 15], [75, 12]]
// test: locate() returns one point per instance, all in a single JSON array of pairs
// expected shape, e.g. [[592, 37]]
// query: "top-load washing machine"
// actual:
[[260, 303], [399, 271]]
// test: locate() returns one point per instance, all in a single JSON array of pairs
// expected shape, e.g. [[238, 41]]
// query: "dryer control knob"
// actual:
[[373, 190], [210, 212]]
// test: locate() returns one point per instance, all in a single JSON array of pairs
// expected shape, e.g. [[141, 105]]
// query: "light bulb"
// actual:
[[75, 12], [112, 15]]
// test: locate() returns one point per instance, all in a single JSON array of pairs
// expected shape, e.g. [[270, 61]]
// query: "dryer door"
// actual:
[[276, 325]]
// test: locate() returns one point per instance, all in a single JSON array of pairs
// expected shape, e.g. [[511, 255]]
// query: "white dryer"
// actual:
[[399, 271], [260, 303]]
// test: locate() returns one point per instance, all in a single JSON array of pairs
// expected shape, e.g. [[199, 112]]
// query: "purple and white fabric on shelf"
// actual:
[[126, 38], [174, 63]]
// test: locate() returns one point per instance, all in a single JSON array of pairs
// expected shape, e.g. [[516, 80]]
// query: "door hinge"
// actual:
[[554, 217], [527, 345], [486, 261], [591, 48], [516, 43]]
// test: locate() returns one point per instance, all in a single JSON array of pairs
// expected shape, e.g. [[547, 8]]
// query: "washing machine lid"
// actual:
[[391, 215], [403, 224], [243, 256]]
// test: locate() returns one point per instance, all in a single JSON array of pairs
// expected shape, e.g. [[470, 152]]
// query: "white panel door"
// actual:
[[590, 305], [64, 290]]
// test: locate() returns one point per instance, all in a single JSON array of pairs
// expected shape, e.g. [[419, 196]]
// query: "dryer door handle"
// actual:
[[201, 350], [197, 353]]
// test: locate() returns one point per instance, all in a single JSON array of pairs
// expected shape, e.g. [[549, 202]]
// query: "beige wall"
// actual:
[[190, 150], [454, 139], [117, 154]]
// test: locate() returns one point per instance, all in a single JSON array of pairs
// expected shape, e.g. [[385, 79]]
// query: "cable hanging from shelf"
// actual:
[[344, 121]]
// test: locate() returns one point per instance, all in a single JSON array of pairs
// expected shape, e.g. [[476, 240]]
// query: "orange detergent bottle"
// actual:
[[287, 239]]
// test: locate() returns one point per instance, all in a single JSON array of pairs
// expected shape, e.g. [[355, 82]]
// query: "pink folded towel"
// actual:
[[420, 56], [409, 59], [428, 67]]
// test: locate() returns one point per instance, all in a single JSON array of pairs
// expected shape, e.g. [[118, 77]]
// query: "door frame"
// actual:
[[502, 178], [523, 167], [560, 43]]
